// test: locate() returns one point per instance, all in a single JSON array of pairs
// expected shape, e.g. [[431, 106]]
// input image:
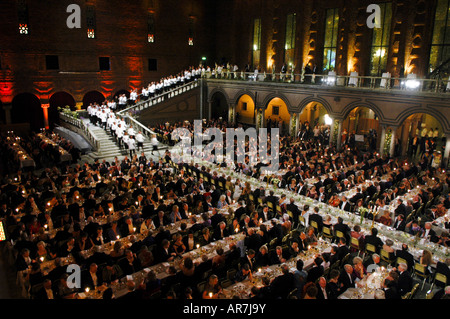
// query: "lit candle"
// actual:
[[45, 226], [134, 229], [42, 259], [48, 204], [210, 295], [137, 203], [117, 236], [259, 269], [198, 246], [87, 289]]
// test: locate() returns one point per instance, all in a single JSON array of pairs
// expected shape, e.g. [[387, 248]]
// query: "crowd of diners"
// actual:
[[130, 196]]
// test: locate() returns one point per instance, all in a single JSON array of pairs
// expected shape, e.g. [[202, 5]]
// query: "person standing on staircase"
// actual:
[[154, 143], [140, 140], [132, 146]]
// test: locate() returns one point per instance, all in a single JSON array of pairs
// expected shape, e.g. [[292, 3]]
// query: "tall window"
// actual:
[[330, 43], [440, 46], [256, 42], [380, 41], [22, 13], [151, 27], [289, 46], [191, 30], [90, 21]]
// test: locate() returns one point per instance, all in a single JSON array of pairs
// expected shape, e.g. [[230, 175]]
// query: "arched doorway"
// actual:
[[93, 97], [362, 123], [428, 130], [276, 114], [219, 106], [313, 115], [26, 108], [245, 110], [59, 99]]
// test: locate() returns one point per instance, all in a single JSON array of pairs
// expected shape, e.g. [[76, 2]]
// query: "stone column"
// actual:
[[45, 110], [393, 137], [339, 130], [383, 139], [7, 109]]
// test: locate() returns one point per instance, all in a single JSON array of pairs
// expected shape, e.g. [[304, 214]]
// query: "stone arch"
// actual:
[[59, 99], [219, 105], [349, 107], [93, 97], [305, 102]]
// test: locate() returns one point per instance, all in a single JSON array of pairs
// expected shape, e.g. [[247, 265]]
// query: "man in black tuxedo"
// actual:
[[161, 219], [266, 214], [317, 218], [220, 231], [343, 228], [401, 208], [405, 281], [444, 268], [429, 233], [46, 292], [374, 240], [253, 240], [399, 223], [323, 291], [216, 218], [163, 253], [316, 271], [240, 210], [275, 231], [91, 277], [282, 285], [390, 289], [342, 249], [249, 259], [302, 188], [344, 204], [347, 277], [406, 255]]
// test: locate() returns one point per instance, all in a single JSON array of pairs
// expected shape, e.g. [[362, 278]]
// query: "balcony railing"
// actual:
[[351, 81], [143, 104], [81, 128]]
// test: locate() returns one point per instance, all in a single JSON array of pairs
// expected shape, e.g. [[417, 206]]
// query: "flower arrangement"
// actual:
[[66, 111]]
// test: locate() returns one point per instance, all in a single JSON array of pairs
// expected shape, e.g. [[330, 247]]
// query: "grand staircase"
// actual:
[[108, 148]]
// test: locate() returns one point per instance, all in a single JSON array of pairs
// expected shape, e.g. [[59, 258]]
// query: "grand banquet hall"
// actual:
[[234, 150]]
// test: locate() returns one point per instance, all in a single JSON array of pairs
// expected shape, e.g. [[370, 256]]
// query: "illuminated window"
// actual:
[[90, 21], [23, 28], [330, 43], [380, 41], [440, 46], [256, 52], [91, 33], [290, 39]]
